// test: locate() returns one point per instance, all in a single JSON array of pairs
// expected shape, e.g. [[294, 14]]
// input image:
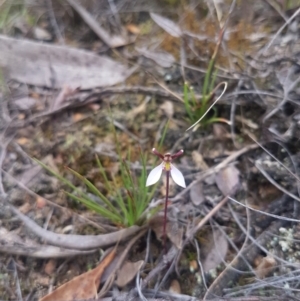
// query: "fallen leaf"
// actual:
[[196, 194], [156, 224], [248, 122], [168, 108], [54, 66], [41, 34], [22, 141], [173, 231], [21, 116], [128, 271], [219, 131], [94, 107], [228, 180], [161, 58], [265, 266], [78, 116], [29, 174], [84, 286], [193, 266], [137, 110], [199, 161], [175, 287], [132, 28], [65, 92], [24, 103], [50, 266], [40, 202], [25, 208], [214, 251], [168, 25]]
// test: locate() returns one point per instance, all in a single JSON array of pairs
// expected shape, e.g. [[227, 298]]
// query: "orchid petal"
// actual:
[[177, 176], [154, 175]]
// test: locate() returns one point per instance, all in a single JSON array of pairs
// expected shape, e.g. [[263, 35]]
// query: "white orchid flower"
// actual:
[[168, 167]]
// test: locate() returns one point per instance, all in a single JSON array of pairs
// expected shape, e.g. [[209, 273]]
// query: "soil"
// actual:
[[248, 247]]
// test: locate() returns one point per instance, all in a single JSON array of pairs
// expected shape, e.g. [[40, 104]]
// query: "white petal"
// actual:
[[177, 176], [154, 175]]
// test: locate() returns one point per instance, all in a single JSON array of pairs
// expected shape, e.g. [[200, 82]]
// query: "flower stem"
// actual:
[[166, 207]]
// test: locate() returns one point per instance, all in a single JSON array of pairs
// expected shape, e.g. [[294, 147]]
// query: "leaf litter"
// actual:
[[82, 287], [54, 66], [252, 97]]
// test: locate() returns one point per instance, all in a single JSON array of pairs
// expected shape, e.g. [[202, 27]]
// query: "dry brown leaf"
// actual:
[[199, 161], [77, 117], [25, 208], [132, 28], [128, 271], [21, 116], [161, 58], [265, 266], [41, 34], [193, 266], [29, 174], [94, 107], [50, 267], [40, 202], [168, 25], [228, 180], [156, 224], [196, 194], [175, 233], [168, 108], [24, 103], [175, 287], [215, 251], [22, 141], [219, 131], [173, 230], [82, 287], [65, 92], [137, 111], [54, 66]]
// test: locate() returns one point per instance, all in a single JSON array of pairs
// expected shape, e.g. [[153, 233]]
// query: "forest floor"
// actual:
[[83, 82]]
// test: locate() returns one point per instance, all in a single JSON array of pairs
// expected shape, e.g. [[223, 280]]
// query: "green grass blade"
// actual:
[[103, 173], [93, 189], [90, 204], [58, 176]]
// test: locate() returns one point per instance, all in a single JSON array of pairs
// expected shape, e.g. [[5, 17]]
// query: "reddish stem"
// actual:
[[166, 207]]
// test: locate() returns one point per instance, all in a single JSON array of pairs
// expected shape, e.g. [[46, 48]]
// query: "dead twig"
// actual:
[[110, 280], [216, 289], [273, 182], [11, 243], [76, 242], [93, 97], [111, 41], [281, 29], [169, 257], [216, 169], [53, 22]]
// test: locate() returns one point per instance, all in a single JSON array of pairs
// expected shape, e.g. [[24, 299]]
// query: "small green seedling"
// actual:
[[126, 204], [128, 200], [197, 110]]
